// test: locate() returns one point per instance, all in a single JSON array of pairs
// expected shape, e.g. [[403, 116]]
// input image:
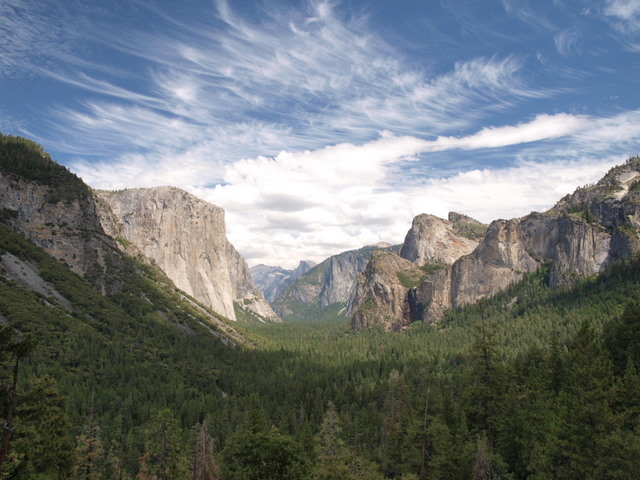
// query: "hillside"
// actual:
[[122, 375]]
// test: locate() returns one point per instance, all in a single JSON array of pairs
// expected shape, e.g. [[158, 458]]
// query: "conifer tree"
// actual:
[[205, 466], [334, 460], [589, 418], [164, 459]]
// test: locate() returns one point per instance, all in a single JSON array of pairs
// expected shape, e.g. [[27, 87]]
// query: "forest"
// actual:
[[533, 383]]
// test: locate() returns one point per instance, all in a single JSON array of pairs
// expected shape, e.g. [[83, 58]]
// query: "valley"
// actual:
[[143, 348]]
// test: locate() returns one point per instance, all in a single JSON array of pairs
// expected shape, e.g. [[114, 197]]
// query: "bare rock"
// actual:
[[186, 238]]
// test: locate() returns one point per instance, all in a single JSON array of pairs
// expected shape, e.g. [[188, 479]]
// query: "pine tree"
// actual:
[[164, 458], [589, 418], [205, 466], [334, 458], [19, 348], [395, 425], [89, 450]]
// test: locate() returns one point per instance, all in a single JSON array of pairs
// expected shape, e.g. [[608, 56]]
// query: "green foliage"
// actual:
[[28, 160], [259, 452], [524, 385], [470, 230], [410, 279], [432, 267]]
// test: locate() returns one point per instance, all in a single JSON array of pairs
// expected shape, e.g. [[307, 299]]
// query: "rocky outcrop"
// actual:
[[186, 238], [271, 281], [433, 244], [381, 293], [434, 240], [64, 224], [581, 235]]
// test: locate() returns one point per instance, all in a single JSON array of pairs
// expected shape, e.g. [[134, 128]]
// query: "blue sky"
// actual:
[[322, 126]]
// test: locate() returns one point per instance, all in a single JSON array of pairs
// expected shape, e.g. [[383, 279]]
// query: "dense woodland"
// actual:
[[531, 384]]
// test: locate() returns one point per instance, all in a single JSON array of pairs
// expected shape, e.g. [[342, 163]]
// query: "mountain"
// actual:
[[109, 370], [272, 280], [186, 238], [385, 292], [87, 230], [325, 288], [582, 234]]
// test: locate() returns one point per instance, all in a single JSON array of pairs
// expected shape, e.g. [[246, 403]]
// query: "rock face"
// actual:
[[380, 295], [413, 292], [271, 281], [328, 283], [186, 238], [582, 234], [434, 240], [64, 224]]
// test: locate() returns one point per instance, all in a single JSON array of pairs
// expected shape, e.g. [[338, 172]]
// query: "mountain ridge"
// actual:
[[582, 234]]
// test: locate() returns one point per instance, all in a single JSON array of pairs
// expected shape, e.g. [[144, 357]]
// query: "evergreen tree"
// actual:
[[487, 380], [259, 452], [205, 466], [18, 349], [89, 449], [42, 434], [589, 418], [485, 467], [395, 426], [164, 459], [334, 460]]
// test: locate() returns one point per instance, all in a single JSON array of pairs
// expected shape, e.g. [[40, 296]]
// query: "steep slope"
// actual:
[[56, 211], [271, 281], [395, 298], [186, 238], [380, 294], [580, 236], [326, 285]]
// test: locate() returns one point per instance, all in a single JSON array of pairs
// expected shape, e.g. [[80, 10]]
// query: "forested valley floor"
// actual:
[[533, 383]]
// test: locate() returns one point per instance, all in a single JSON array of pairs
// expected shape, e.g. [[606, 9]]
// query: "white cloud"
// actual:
[[541, 128], [312, 204], [627, 12]]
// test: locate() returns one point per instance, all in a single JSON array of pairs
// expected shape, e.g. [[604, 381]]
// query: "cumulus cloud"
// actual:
[[627, 12], [311, 204]]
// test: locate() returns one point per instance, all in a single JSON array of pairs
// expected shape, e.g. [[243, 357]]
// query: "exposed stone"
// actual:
[[271, 281], [381, 293], [581, 235], [330, 282], [69, 230], [434, 240], [186, 238]]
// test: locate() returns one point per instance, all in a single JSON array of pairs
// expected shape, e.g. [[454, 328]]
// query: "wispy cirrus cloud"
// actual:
[[626, 12], [335, 78], [309, 124]]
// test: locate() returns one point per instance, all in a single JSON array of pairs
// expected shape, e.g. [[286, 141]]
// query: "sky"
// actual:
[[323, 126]]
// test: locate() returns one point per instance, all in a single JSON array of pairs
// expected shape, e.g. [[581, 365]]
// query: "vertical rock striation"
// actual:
[[186, 238], [582, 234]]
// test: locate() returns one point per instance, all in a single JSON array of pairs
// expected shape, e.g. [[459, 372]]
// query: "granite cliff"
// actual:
[[422, 270], [186, 238], [327, 285], [271, 281], [582, 234]]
